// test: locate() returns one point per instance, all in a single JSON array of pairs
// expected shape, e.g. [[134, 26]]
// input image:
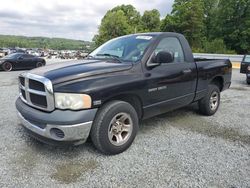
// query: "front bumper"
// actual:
[[58, 126]]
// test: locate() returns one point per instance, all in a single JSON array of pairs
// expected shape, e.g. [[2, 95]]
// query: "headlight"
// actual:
[[248, 68], [72, 101]]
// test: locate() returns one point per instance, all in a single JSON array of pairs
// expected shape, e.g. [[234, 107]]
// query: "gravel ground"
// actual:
[[177, 149]]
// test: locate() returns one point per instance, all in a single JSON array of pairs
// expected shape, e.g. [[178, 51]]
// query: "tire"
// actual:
[[248, 81], [7, 66], [210, 103], [111, 136], [39, 64]]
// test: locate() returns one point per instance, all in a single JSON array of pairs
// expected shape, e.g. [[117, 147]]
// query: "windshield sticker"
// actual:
[[144, 37]]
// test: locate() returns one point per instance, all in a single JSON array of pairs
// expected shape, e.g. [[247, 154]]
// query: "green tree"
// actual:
[[133, 16], [187, 17], [233, 24], [150, 21], [42, 42], [210, 11], [169, 24], [113, 24], [216, 46], [120, 20]]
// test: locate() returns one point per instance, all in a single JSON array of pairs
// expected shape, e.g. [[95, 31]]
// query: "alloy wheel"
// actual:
[[120, 129]]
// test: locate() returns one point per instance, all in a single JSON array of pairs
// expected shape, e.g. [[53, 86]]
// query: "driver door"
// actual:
[[19, 62], [25, 61], [170, 85]]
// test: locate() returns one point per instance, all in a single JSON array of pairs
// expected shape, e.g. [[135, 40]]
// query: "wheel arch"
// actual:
[[132, 99], [218, 81], [43, 61]]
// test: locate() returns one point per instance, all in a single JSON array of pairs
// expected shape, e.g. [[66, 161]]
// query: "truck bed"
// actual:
[[204, 59], [208, 69]]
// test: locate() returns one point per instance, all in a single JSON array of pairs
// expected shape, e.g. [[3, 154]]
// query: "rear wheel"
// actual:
[[114, 128], [211, 102], [39, 64], [7, 66]]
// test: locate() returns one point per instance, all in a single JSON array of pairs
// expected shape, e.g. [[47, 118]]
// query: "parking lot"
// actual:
[[177, 149]]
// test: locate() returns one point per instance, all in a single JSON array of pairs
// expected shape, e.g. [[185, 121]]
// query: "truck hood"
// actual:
[[77, 69]]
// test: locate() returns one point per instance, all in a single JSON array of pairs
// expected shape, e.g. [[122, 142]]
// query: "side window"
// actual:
[[19, 56], [25, 56], [172, 45]]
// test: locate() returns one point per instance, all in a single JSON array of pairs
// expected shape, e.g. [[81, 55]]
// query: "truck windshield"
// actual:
[[129, 48]]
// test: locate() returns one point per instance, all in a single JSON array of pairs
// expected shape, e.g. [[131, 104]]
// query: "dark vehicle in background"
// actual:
[[17, 61], [125, 80], [245, 67]]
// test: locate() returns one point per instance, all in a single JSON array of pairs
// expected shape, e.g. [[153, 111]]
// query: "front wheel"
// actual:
[[114, 128], [7, 66], [211, 102]]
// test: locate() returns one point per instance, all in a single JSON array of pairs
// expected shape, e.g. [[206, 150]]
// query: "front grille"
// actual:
[[21, 80], [33, 84], [36, 91], [38, 100]]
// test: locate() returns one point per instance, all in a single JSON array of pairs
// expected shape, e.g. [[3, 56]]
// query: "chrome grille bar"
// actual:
[[48, 93], [26, 82], [37, 92]]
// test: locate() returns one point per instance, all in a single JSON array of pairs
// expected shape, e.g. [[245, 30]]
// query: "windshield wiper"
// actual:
[[110, 55], [89, 56]]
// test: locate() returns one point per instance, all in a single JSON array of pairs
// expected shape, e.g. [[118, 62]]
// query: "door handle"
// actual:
[[186, 71]]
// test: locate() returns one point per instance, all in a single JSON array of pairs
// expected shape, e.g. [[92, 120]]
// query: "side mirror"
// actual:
[[161, 57], [20, 58], [164, 57]]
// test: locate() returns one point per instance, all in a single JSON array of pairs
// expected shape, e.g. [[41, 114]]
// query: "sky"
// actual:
[[73, 19]]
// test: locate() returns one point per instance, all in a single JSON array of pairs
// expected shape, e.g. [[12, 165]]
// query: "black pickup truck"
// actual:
[[245, 67], [125, 80]]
